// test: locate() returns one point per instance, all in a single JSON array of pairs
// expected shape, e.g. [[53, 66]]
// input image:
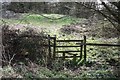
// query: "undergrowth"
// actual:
[[102, 62]]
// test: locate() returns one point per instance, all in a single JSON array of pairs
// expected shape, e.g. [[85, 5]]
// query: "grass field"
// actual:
[[51, 23]]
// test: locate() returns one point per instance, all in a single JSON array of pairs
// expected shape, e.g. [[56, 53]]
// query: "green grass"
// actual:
[[39, 20], [43, 72], [51, 25]]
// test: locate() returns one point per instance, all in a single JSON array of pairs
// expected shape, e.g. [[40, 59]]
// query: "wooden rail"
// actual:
[[85, 53], [81, 44], [98, 44], [69, 52], [68, 57], [54, 48], [66, 51], [67, 46], [69, 40]]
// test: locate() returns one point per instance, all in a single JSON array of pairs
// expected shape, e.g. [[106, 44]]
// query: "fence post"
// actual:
[[49, 47], [49, 53], [81, 48], [54, 48], [85, 49]]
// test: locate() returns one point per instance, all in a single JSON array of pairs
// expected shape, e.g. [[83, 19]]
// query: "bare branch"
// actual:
[[12, 58], [106, 16], [111, 12]]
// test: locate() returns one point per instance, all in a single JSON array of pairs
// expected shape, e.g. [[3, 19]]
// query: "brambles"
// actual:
[[23, 44]]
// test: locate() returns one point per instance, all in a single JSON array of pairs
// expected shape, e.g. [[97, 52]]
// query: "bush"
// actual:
[[17, 47]]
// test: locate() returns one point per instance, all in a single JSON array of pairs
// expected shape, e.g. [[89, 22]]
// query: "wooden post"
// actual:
[[81, 48], [54, 48], [85, 49], [49, 47], [49, 53]]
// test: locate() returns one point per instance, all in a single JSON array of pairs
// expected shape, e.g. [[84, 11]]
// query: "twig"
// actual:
[[11, 58], [111, 12], [4, 60]]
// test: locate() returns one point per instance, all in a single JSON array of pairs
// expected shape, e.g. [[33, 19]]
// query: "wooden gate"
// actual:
[[81, 44], [54, 49]]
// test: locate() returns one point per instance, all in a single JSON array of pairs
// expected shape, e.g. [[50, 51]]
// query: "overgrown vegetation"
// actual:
[[25, 57], [20, 45]]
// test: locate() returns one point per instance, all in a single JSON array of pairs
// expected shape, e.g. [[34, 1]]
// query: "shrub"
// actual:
[[18, 47]]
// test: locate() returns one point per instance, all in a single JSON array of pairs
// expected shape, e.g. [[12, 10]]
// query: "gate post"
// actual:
[[85, 49], [54, 48], [49, 61], [81, 49], [49, 47]]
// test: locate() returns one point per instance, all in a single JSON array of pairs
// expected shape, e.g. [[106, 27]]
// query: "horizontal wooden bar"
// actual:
[[96, 44], [68, 46], [67, 57], [65, 51], [69, 40], [59, 46], [52, 37], [93, 44], [71, 53]]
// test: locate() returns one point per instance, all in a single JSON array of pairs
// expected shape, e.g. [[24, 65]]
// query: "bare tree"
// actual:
[[110, 10]]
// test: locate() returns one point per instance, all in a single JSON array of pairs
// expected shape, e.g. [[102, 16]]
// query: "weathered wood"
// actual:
[[58, 46], [85, 49], [49, 59], [67, 57], [68, 52], [69, 40], [67, 46], [54, 48], [81, 49], [71, 53], [97, 44], [53, 37], [49, 46], [65, 51]]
